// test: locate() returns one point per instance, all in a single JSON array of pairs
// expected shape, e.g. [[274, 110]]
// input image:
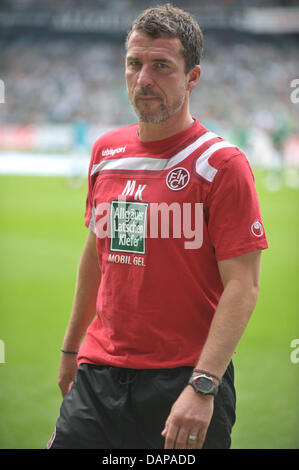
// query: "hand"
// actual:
[[190, 415], [67, 371]]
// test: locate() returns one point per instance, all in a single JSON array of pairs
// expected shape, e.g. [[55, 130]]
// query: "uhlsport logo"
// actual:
[[257, 229], [178, 178], [112, 152]]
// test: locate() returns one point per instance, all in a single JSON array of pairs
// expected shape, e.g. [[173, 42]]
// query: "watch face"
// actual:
[[204, 384]]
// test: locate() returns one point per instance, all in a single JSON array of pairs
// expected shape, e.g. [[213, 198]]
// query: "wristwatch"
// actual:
[[203, 384]]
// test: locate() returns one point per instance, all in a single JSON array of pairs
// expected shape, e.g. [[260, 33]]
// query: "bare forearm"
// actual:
[[240, 277], [84, 304], [230, 320]]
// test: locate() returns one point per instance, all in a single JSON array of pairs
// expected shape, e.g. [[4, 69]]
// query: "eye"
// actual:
[[134, 63], [162, 65]]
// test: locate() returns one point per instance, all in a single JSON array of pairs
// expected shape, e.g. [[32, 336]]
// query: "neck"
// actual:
[[151, 132]]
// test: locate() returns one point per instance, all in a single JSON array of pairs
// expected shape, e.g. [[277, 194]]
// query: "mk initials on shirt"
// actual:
[[129, 190]]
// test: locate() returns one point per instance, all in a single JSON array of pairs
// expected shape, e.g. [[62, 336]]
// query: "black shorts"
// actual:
[[116, 408]]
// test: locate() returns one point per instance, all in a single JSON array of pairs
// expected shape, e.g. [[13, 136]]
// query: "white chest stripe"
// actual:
[[130, 163], [159, 164]]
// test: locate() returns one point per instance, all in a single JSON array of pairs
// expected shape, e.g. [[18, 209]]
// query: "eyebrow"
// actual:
[[162, 59], [131, 58]]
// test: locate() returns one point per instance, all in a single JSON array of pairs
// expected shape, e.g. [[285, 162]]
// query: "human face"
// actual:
[[156, 79]]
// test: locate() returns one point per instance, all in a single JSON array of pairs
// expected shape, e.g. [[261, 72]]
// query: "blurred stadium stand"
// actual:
[[62, 65]]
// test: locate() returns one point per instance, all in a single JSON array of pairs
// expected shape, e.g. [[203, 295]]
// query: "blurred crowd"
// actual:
[[244, 84], [58, 80], [60, 5]]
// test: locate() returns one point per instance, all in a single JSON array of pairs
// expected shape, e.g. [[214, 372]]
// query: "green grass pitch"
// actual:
[[41, 239]]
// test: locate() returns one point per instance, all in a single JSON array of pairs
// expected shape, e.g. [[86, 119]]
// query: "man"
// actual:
[[171, 302]]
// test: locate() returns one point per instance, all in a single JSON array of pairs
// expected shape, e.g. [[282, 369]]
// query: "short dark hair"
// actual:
[[167, 20]]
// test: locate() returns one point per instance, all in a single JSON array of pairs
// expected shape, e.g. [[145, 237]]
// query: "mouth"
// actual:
[[146, 96], [147, 101]]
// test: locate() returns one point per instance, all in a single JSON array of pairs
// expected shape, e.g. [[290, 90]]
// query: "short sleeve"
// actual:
[[235, 223], [89, 207]]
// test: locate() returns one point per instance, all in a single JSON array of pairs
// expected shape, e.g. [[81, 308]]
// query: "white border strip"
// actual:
[[17, 163]]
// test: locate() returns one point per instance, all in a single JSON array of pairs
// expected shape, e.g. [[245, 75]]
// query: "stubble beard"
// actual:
[[156, 117], [162, 114]]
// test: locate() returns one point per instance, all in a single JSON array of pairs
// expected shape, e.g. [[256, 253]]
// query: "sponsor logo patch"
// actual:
[[257, 229], [128, 226], [178, 178]]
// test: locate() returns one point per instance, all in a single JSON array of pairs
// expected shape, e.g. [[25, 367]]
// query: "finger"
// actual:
[[170, 438], [182, 439], [62, 388], [64, 391], [192, 439], [65, 388], [164, 432]]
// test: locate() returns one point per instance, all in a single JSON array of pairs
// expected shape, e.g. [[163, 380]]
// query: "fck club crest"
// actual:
[[178, 178]]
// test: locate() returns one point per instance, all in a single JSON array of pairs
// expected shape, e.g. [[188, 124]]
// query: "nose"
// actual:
[[145, 78]]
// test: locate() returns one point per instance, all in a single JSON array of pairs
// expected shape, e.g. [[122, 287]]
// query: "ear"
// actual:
[[194, 76]]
